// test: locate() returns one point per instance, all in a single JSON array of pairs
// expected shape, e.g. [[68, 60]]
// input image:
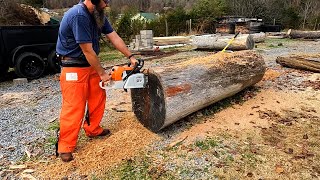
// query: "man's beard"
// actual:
[[99, 16]]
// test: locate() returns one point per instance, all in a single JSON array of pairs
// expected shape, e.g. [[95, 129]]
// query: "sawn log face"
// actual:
[[181, 89]]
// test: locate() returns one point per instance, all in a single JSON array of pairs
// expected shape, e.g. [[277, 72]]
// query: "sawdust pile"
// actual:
[[271, 75], [221, 58], [95, 157], [12, 13]]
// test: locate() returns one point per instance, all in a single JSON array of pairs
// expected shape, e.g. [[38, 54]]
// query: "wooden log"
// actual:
[[161, 41], [218, 42], [295, 34], [175, 91], [303, 62], [259, 37]]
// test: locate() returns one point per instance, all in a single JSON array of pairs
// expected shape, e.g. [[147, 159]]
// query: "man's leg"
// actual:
[[74, 87], [96, 105]]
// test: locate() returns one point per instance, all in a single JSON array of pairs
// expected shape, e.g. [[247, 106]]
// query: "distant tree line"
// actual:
[[176, 14], [304, 14]]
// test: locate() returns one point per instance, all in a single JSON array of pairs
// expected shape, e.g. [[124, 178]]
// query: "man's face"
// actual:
[[102, 5], [99, 13]]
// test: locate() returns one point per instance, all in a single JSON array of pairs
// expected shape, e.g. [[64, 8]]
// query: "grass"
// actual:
[[110, 55], [54, 126], [274, 43], [206, 144]]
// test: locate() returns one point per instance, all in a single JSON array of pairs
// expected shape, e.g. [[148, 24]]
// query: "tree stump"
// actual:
[[178, 90]]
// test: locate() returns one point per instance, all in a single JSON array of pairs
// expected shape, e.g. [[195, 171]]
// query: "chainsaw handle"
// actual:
[[137, 67], [102, 86]]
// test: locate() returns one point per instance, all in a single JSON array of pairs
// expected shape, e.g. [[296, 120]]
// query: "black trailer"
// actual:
[[30, 50]]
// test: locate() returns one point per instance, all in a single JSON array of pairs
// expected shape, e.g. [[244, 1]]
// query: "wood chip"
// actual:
[[279, 169], [17, 166], [27, 176], [177, 142], [28, 171]]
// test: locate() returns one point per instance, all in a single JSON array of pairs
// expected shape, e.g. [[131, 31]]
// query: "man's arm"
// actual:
[[120, 45], [93, 60]]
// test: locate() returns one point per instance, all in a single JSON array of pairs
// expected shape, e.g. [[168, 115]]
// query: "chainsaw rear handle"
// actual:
[[136, 69]]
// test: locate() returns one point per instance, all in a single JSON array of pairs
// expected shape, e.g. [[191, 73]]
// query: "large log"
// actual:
[[178, 90], [259, 37], [295, 34], [218, 42], [161, 41], [304, 62]]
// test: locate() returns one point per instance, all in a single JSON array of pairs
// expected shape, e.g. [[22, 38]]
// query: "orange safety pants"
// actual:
[[79, 85]]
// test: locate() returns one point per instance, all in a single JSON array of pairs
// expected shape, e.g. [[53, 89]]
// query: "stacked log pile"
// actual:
[[178, 90]]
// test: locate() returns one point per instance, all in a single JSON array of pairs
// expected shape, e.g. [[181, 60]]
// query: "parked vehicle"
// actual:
[[30, 50]]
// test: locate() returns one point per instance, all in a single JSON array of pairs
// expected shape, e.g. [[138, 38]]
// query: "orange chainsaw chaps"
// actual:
[[78, 86]]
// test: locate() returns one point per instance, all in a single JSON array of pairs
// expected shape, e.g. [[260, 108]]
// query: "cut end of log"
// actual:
[[145, 101]]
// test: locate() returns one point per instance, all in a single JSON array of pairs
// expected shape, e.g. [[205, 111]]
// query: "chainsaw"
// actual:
[[126, 77]]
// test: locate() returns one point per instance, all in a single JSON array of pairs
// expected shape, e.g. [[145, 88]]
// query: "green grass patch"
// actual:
[[54, 126], [207, 144], [110, 55]]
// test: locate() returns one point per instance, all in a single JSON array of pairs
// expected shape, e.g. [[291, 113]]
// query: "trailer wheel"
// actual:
[[29, 65], [53, 62]]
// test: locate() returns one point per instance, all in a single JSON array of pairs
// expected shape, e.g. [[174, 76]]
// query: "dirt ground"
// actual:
[[269, 131]]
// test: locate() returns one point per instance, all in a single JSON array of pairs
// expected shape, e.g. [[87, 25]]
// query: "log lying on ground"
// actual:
[[178, 90], [295, 34], [218, 42], [161, 41], [259, 37], [304, 62]]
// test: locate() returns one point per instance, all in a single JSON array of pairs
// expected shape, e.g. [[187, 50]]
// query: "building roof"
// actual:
[[145, 16]]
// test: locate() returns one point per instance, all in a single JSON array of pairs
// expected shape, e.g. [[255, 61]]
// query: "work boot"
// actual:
[[66, 157], [105, 132]]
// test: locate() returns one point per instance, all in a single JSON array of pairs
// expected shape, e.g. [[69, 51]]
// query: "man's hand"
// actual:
[[105, 77], [133, 61]]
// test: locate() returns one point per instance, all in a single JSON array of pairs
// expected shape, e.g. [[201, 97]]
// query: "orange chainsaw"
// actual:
[[126, 77]]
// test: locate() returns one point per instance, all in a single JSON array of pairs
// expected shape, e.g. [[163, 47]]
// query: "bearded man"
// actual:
[[78, 48]]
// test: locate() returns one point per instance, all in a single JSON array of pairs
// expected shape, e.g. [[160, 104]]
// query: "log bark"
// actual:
[[295, 34], [259, 37], [218, 42], [162, 41], [303, 62], [180, 89]]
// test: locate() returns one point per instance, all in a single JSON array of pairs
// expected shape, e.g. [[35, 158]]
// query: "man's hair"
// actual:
[[95, 2]]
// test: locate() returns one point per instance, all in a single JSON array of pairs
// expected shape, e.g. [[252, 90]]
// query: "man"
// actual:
[[78, 47]]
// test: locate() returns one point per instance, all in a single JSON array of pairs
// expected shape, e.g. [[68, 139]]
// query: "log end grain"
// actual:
[[144, 101]]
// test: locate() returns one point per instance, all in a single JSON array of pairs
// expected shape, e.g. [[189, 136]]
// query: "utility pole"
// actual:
[[190, 30], [167, 28]]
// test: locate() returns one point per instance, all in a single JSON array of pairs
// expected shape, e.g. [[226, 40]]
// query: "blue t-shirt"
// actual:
[[78, 26]]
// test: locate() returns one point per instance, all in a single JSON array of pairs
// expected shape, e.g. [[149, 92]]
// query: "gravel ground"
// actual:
[[28, 111]]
